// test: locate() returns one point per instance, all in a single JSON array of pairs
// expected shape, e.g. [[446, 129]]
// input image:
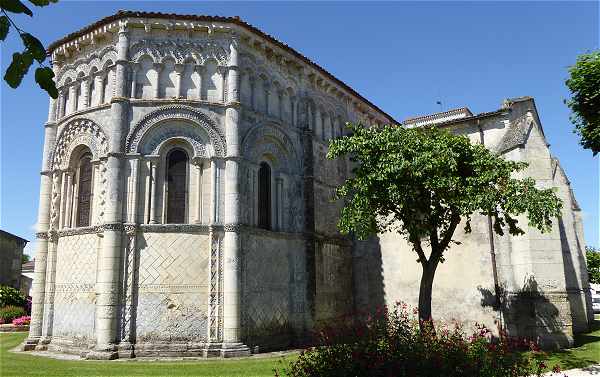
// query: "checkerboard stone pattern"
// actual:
[[74, 298], [173, 287]]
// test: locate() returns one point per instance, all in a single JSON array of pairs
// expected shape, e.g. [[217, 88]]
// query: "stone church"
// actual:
[[185, 205]]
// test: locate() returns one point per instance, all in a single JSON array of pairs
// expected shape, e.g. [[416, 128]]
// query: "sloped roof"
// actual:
[[515, 136], [14, 237], [440, 117], [204, 18]]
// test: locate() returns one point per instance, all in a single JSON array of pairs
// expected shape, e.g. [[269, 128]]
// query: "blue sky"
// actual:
[[403, 56]]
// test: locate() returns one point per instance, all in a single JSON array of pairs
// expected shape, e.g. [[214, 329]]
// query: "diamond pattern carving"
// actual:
[[173, 286], [74, 299], [266, 277]]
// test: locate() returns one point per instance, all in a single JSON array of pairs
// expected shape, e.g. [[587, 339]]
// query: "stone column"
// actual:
[[153, 188], [134, 69], [214, 196], [48, 181], [134, 190], [178, 73], [109, 260], [103, 76], [252, 81], [158, 67], [73, 97], [280, 104], [223, 75], [200, 167], [231, 253], [267, 88], [69, 199], [200, 70], [99, 88]]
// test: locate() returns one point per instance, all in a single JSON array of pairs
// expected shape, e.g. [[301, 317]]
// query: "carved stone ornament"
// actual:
[[130, 229], [78, 132], [175, 112], [174, 228], [79, 231], [181, 51], [96, 61], [113, 227], [41, 235], [232, 228]]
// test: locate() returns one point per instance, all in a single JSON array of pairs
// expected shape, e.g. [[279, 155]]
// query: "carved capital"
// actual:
[[235, 228], [52, 236], [113, 227], [41, 235], [130, 229]]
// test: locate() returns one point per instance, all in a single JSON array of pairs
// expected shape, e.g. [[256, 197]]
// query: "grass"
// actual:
[[585, 352], [24, 365]]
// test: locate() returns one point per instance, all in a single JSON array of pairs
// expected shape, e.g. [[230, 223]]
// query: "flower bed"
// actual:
[[393, 344]]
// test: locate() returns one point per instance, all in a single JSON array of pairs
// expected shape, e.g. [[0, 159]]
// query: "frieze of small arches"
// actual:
[[177, 122]]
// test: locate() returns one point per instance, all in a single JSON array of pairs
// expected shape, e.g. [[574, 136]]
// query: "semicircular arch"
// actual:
[[176, 121]]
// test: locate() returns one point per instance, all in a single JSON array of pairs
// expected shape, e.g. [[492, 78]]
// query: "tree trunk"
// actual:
[[425, 319]]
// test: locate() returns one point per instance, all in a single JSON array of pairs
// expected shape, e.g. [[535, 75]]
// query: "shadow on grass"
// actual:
[[585, 352]]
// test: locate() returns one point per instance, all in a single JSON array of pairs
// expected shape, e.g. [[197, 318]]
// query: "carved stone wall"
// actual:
[[273, 288], [173, 287], [75, 295], [334, 296]]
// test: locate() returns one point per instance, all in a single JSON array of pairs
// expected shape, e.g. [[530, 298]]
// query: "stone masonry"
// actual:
[[254, 259]]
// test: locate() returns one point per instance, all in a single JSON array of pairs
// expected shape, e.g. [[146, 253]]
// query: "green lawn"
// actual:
[[23, 365], [585, 352]]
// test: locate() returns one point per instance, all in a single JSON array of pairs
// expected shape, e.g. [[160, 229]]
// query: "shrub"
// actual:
[[21, 321], [8, 313], [11, 296], [391, 344]]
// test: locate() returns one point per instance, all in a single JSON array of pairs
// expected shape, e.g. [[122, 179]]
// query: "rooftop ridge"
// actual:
[[434, 116]]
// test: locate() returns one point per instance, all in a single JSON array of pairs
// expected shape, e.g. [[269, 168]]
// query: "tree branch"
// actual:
[[419, 249]]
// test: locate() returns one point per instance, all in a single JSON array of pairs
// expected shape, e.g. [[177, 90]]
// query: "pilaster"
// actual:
[[109, 277], [232, 345], [47, 179]]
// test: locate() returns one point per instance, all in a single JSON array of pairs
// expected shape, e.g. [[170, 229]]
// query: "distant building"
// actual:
[[27, 277], [11, 255]]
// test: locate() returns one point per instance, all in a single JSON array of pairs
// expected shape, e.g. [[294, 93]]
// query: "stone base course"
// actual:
[[13, 328]]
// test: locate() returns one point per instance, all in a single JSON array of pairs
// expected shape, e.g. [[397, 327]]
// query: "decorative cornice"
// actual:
[[174, 228], [78, 231], [235, 228], [113, 227]]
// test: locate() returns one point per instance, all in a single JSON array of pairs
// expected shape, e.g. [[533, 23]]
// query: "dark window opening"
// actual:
[[176, 186], [84, 198], [264, 196]]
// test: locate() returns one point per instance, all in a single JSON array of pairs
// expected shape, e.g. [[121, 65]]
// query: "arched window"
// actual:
[[264, 196], [176, 175], [84, 190]]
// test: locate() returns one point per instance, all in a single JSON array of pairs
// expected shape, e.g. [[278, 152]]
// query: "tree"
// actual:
[[25, 258], [593, 264], [33, 49], [422, 182], [584, 84]]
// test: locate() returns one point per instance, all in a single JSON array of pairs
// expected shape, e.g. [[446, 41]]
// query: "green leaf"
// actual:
[[18, 68], [15, 6], [34, 46], [42, 3], [4, 26], [44, 76]]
